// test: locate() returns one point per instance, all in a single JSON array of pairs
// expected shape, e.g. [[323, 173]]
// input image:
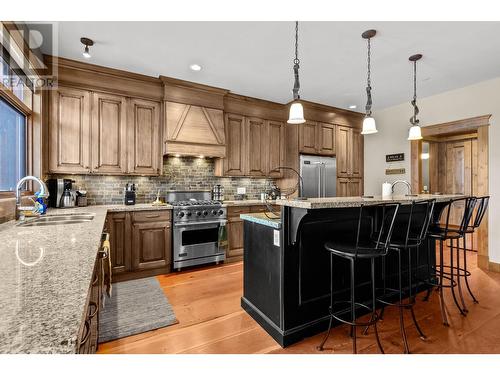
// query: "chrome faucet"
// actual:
[[402, 182], [44, 193]]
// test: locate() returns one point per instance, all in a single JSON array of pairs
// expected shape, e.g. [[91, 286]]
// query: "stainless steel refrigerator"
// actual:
[[319, 176]]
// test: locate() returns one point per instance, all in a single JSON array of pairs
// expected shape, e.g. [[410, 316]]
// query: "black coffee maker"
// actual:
[[57, 188]]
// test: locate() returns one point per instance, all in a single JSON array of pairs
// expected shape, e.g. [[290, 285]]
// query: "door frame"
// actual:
[[479, 124]]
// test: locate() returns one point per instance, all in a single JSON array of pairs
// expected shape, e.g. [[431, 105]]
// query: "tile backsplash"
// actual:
[[179, 173]]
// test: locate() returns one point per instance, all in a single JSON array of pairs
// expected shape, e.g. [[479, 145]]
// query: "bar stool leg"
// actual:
[[441, 296], [320, 347], [459, 278], [453, 281], [374, 314], [384, 286], [401, 317], [429, 290], [411, 298], [353, 307], [467, 277]]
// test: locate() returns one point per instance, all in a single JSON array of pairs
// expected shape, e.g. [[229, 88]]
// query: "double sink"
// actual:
[[57, 220]]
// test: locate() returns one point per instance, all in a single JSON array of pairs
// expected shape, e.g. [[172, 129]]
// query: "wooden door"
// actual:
[[151, 245], [308, 137], [143, 133], [235, 163], [257, 146], [458, 174], [356, 153], [109, 127], [69, 131], [118, 227], [326, 139], [276, 147], [343, 151]]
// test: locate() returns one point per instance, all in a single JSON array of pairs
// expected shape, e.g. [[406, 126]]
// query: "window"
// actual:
[[12, 146]]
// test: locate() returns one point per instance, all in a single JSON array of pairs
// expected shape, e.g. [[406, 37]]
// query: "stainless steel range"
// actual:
[[199, 228]]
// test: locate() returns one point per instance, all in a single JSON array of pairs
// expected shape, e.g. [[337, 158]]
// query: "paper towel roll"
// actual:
[[386, 190]]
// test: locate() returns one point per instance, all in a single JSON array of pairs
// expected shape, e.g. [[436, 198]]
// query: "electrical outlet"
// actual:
[[241, 190]]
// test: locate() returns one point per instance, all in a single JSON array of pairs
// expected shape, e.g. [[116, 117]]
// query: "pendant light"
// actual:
[[369, 126], [415, 132], [296, 115], [87, 43]]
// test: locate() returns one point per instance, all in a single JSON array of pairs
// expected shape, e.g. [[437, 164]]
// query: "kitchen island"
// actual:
[[286, 282]]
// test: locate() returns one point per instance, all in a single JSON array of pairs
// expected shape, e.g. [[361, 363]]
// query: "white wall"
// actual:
[[393, 123]]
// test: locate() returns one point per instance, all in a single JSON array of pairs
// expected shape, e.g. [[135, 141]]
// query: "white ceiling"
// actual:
[[255, 58]]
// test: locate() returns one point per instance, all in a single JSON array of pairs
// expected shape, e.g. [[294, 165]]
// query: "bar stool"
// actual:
[[480, 209], [407, 238], [450, 233], [365, 247]]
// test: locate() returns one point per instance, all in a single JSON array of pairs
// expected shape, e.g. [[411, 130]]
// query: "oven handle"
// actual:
[[221, 222]]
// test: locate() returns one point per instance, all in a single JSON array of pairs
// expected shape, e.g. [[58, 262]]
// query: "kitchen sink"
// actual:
[[57, 220]]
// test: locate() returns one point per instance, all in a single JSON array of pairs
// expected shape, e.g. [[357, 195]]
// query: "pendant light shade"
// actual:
[[296, 115], [415, 133], [369, 125]]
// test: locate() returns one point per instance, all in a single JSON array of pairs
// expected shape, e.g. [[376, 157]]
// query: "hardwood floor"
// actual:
[[207, 304]]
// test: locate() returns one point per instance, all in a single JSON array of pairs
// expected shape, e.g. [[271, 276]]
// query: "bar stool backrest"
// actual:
[[388, 213], [481, 207], [469, 204], [420, 217]]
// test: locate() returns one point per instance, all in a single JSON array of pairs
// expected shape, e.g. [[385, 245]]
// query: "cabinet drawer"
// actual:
[[152, 216], [237, 210]]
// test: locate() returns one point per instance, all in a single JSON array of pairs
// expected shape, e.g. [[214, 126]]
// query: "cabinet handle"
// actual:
[[96, 279], [96, 309], [87, 333], [152, 216]]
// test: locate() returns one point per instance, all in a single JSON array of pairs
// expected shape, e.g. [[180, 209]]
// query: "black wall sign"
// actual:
[[395, 157]]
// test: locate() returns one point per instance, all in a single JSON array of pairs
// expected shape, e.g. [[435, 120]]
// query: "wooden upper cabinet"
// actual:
[[194, 130], [257, 139], [326, 139], [234, 164], [308, 138], [69, 131], [343, 151], [144, 137], [276, 152], [109, 127]]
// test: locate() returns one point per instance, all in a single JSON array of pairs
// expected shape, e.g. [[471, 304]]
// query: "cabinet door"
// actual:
[[276, 147], [326, 141], [235, 163], [256, 146], [355, 187], [69, 131], [235, 238], [118, 227], [356, 153], [342, 187], [308, 137], [151, 245], [144, 137], [109, 127], [343, 151]]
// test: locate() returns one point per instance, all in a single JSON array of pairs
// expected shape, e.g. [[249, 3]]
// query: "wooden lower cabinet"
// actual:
[[141, 243], [349, 187]]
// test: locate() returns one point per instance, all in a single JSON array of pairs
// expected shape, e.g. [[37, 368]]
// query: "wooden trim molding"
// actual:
[[453, 127], [10, 97]]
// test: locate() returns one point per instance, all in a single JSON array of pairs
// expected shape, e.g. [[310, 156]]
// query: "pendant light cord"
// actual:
[[296, 61], [368, 107], [413, 120]]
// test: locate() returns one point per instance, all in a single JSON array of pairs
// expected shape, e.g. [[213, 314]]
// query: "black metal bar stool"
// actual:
[[450, 232], [410, 231], [373, 219], [480, 209]]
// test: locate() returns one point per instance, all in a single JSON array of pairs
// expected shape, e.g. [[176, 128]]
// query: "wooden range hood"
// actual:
[[194, 119]]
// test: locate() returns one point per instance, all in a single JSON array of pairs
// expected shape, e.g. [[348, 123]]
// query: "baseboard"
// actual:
[[494, 267]]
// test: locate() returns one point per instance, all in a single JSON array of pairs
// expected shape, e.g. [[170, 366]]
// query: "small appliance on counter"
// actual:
[[130, 194], [218, 193], [81, 198], [61, 192]]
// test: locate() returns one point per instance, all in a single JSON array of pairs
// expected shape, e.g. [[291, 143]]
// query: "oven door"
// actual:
[[199, 240]]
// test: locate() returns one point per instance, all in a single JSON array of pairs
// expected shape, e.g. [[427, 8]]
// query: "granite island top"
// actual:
[[265, 218], [342, 202]]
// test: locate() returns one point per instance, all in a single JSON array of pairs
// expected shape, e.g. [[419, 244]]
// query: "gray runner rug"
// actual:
[[135, 306]]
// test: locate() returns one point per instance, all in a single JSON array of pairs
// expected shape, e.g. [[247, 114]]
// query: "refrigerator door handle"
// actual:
[[323, 167], [318, 167]]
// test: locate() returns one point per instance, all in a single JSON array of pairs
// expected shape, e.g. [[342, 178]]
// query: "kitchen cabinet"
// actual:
[[144, 137], [255, 146], [103, 133], [69, 131], [349, 146], [349, 187], [317, 138], [140, 243], [109, 128]]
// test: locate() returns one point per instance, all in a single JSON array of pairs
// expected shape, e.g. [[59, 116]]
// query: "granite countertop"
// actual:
[[342, 202], [264, 218]]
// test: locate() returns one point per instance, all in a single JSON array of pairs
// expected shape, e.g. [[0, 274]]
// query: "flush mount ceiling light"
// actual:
[[353, 106], [296, 115], [195, 67], [369, 126], [415, 132], [87, 43]]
